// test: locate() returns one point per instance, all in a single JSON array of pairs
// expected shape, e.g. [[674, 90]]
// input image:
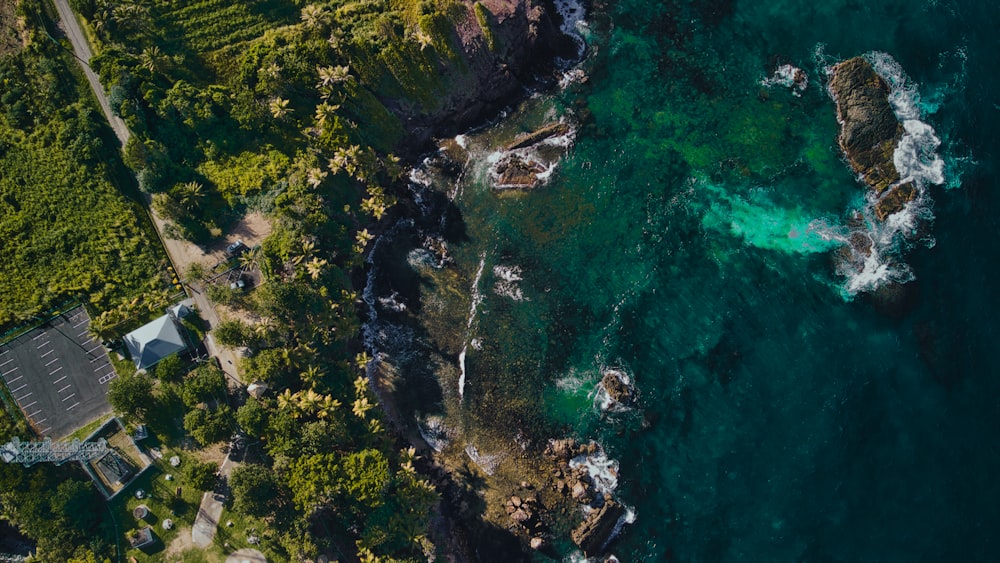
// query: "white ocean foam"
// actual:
[[434, 431], [462, 141], [602, 470], [602, 399], [534, 153], [788, 76], [477, 298], [506, 284], [392, 302], [574, 24]]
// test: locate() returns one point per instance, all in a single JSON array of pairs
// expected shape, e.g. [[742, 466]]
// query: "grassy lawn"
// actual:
[[163, 502]]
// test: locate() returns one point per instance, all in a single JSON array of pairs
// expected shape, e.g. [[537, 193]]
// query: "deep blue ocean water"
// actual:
[[693, 235]]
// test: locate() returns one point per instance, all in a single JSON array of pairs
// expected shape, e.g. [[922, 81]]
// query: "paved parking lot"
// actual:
[[58, 375]]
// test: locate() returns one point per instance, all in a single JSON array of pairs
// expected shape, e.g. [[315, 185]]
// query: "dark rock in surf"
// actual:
[[869, 130], [516, 172], [539, 135], [894, 200], [597, 530], [618, 387]]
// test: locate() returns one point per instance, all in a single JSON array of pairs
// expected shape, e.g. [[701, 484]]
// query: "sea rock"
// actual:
[[564, 449], [869, 130], [517, 172], [596, 530], [537, 543], [894, 200], [539, 135]]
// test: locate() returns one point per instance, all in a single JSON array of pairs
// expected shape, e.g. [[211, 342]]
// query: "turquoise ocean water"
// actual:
[[693, 235]]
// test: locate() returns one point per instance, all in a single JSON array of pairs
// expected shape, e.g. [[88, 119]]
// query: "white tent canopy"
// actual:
[[152, 342]]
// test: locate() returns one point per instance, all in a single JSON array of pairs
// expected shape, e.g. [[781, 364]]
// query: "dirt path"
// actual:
[[207, 521]]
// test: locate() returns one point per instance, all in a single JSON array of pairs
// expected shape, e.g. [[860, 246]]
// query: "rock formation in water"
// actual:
[[575, 485], [870, 132], [618, 387]]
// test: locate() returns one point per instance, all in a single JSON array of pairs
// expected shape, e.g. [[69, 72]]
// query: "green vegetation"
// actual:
[[483, 17], [59, 508], [269, 105], [66, 229]]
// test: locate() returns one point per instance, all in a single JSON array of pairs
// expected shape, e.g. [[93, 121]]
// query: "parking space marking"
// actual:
[[64, 388], [34, 413], [82, 334], [71, 407], [7, 362], [55, 371], [41, 421], [39, 347], [18, 389], [26, 407], [45, 354], [4, 352], [15, 379], [39, 335], [70, 396], [12, 370], [23, 397], [51, 362], [79, 324], [60, 379], [98, 347], [46, 430], [102, 367]]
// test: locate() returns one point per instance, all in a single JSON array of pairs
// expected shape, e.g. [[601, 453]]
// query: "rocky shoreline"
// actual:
[[501, 64], [468, 525]]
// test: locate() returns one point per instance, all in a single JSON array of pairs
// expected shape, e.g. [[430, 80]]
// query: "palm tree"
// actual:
[[330, 75], [314, 16], [189, 193], [315, 267], [288, 400], [279, 108], [325, 111], [151, 58], [250, 259], [312, 376], [423, 39], [315, 176]]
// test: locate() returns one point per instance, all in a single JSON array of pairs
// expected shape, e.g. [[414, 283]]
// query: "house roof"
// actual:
[[152, 342], [182, 309]]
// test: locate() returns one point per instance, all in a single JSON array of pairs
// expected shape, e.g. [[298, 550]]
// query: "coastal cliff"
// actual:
[[501, 48]]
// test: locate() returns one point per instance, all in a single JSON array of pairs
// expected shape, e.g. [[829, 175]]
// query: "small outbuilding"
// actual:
[[153, 342]]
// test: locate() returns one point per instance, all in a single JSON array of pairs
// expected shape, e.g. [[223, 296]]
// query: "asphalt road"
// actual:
[[71, 26]]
